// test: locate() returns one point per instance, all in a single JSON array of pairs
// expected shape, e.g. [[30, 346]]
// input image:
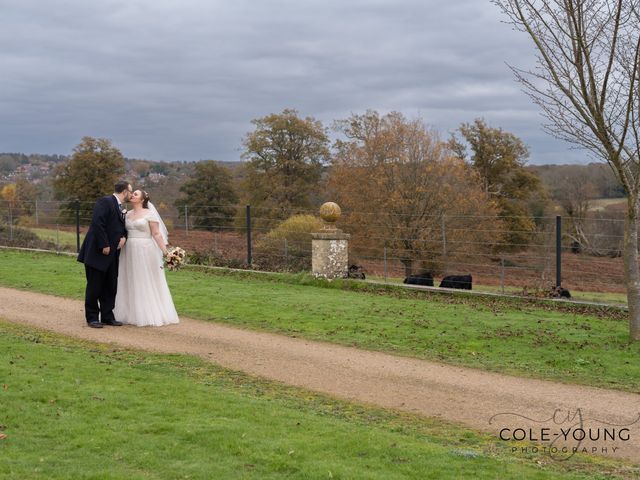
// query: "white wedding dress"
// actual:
[[143, 297]]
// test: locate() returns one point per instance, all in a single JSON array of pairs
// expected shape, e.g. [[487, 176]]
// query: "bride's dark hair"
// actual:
[[145, 199]]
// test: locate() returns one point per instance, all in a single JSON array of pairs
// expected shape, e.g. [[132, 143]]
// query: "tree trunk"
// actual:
[[631, 269]]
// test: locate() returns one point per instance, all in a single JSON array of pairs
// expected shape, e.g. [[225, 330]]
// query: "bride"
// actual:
[[143, 297]]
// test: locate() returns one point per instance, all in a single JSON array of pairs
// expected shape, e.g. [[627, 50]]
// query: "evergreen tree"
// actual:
[[209, 197]]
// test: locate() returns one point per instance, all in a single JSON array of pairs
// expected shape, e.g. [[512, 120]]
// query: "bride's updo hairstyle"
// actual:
[[145, 199]]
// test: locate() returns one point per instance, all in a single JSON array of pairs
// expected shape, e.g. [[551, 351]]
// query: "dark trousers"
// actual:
[[101, 288]]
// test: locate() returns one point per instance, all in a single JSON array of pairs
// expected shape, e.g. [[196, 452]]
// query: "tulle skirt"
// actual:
[[143, 297]]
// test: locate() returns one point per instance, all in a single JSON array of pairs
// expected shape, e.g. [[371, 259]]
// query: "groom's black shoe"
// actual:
[[113, 323], [94, 324]]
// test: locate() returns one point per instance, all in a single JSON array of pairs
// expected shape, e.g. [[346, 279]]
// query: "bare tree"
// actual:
[[587, 82], [575, 193]]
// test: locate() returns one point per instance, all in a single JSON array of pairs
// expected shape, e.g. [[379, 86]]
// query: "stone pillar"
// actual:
[[330, 247]]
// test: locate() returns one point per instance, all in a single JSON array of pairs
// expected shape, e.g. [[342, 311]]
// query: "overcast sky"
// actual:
[[182, 80]]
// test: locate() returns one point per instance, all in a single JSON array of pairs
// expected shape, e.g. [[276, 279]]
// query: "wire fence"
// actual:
[[583, 256]]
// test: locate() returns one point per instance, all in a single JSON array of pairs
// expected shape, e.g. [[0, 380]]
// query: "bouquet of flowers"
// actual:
[[175, 258]]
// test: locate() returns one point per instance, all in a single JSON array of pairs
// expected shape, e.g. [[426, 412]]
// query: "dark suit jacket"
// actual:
[[106, 230]]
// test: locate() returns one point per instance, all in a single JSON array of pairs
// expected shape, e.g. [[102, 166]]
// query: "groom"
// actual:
[[99, 253]]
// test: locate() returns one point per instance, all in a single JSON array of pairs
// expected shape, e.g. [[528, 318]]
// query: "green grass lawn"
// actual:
[[73, 409], [58, 237], [510, 336]]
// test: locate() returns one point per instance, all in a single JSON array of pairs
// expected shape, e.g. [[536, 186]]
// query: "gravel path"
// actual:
[[462, 395]]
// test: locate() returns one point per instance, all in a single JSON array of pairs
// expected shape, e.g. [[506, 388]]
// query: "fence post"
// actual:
[[444, 245], [37, 223], [249, 235], [10, 224], [186, 220], [77, 226], [502, 275], [286, 254], [385, 264], [558, 251]]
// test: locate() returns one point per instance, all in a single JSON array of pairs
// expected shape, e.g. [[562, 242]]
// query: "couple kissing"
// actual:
[[122, 255]]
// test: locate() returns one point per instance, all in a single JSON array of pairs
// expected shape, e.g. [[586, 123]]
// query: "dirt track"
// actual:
[[462, 395]]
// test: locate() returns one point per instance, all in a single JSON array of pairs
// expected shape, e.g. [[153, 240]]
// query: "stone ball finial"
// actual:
[[330, 212]]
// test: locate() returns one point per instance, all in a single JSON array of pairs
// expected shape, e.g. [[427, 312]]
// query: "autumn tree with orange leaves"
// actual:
[[401, 187]]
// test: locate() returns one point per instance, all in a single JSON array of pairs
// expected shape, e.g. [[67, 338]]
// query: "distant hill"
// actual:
[[29, 166], [164, 179], [603, 182], [37, 166], [161, 179]]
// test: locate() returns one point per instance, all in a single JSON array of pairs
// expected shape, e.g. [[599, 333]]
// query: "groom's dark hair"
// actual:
[[121, 186]]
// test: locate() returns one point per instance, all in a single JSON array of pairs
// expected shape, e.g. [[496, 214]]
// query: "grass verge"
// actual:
[[74, 409]]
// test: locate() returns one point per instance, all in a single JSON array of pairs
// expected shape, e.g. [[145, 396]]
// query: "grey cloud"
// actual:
[[182, 80]]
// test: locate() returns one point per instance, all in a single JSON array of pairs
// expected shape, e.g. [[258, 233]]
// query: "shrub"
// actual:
[[214, 258], [288, 246], [20, 237], [26, 221]]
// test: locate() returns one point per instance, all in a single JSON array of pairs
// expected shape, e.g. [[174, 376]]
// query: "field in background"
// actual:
[[602, 204], [65, 239]]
